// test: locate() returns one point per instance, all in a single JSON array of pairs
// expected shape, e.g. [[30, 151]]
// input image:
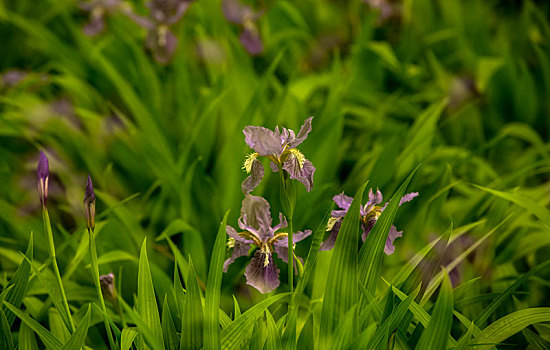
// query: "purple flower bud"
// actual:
[[89, 205], [107, 283], [43, 174]]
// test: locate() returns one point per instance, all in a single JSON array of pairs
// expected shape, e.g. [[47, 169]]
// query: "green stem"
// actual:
[[290, 257], [51, 248], [95, 276]]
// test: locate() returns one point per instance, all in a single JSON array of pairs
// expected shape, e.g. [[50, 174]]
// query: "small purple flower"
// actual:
[[255, 221], [162, 15], [246, 18], [89, 205], [98, 10], [43, 174], [369, 213], [107, 283], [280, 148]]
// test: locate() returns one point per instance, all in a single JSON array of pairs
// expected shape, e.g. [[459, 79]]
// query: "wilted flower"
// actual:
[[246, 18], [162, 15], [280, 148], [89, 205], [255, 221], [107, 283], [98, 9], [369, 213], [43, 174]]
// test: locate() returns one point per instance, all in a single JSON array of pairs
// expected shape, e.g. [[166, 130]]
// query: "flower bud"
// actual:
[[89, 205], [43, 174], [107, 283]]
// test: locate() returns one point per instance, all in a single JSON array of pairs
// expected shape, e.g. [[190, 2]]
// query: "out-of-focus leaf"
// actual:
[[27, 339]]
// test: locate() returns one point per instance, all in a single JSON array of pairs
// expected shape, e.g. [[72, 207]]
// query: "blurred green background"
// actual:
[[461, 86]]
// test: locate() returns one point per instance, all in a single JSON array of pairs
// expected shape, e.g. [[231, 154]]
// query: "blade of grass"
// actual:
[[76, 341], [128, 336], [273, 335], [192, 322], [27, 339]]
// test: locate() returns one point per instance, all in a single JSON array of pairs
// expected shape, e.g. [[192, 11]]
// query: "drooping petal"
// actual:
[[162, 43], [255, 212], [328, 244], [302, 135], [262, 273], [342, 201], [282, 253], [239, 249], [251, 40], [303, 173], [263, 140], [255, 177], [392, 235]]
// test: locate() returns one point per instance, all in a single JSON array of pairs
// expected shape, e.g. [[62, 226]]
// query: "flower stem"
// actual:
[[290, 257], [51, 249], [288, 201], [95, 276]]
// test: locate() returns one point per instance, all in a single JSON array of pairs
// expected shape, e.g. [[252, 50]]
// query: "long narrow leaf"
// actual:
[[192, 321], [76, 341]]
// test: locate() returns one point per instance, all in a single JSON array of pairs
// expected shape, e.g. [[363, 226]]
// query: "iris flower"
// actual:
[[255, 223], [163, 14], [43, 174], [279, 146], [98, 10], [369, 213], [242, 15]]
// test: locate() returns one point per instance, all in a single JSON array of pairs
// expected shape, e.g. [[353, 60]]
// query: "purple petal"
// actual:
[[375, 198], [393, 234], [255, 212], [282, 253], [263, 140], [162, 43], [262, 273], [240, 249], [43, 173], [303, 174], [408, 197], [302, 135], [231, 232], [282, 223], [342, 201], [296, 237], [141, 21], [250, 39], [338, 213], [255, 177], [234, 11], [367, 227], [95, 26], [89, 204], [89, 195], [328, 244]]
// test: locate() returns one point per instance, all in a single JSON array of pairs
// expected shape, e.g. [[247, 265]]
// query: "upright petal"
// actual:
[[255, 177], [342, 201], [303, 173], [255, 212], [263, 140], [392, 235], [282, 223], [262, 273], [302, 135]]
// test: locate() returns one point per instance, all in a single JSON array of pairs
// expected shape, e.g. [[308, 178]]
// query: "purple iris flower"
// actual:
[[246, 18], [98, 9], [89, 205], [369, 213], [43, 174], [255, 221], [279, 147], [163, 14]]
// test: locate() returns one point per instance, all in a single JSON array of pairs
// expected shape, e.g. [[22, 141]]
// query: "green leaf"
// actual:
[[57, 327], [509, 325], [76, 341], [27, 339], [273, 336], [151, 338], [233, 335], [236, 307], [465, 339], [436, 334], [489, 310], [341, 290], [192, 321], [6, 340], [171, 340], [47, 338], [183, 265], [372, 251], [523, 201], [213, 286], [128, 336], [147, 302], [20, 281]]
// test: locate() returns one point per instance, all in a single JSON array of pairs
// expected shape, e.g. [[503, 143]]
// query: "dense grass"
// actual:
[[457, 90]]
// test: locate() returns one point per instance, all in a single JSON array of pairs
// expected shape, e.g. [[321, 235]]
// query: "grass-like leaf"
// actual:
[[192, 321], [47, 338], [147, 302], [76, 341], [6, 340], [436, 334], [234, 335], [212, 297], [171, 341], [27, 340], [372, 251], [341, 290], [509, 325], [127, 338], [273, 336]]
